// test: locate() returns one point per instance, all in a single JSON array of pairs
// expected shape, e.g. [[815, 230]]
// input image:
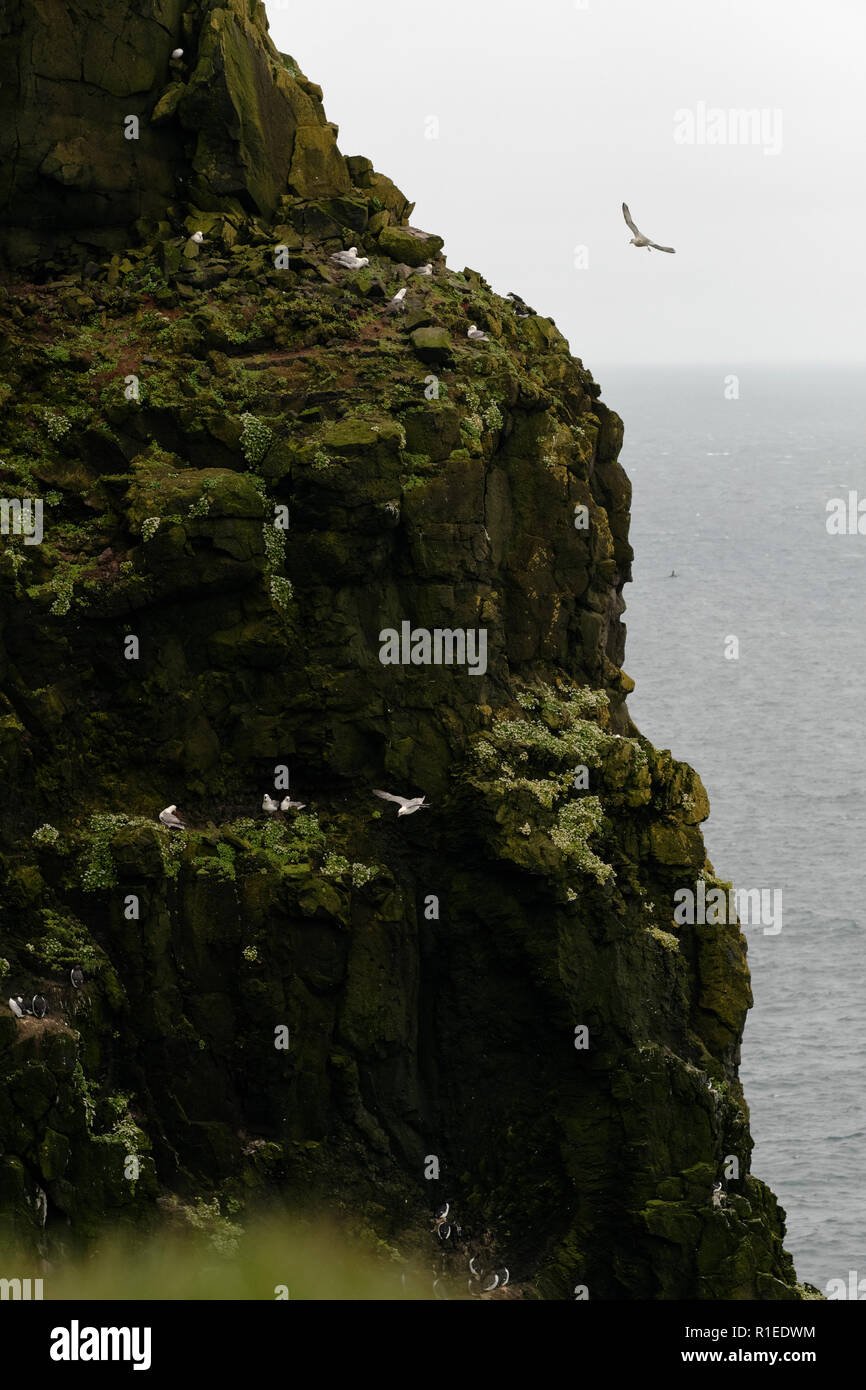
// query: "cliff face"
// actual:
[[496, 981]]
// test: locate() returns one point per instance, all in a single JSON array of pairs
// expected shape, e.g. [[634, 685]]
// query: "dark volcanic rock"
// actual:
[[250, 474]]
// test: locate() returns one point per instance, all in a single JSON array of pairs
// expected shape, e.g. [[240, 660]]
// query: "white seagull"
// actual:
[[288, 805], [269, 805], [398, 303], [197, 237], [639, 239], [408, 804], [170, 819], [350, 260], [425, 269], [476, 335]]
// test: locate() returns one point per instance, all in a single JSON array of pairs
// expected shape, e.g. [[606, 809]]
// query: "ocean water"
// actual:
[[732, 495]]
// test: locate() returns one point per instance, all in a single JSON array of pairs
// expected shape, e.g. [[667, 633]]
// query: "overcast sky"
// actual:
[[551, 114]]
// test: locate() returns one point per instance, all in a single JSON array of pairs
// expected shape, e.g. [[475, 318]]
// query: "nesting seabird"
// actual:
[[170, 820], [177, 53], [39, 1005], [477, 1272], [476, 335], [197, 237], [504, 1277], [408, 804], [639, 239], [490, 1283], [718, 1194], [76, 975], [521, 307], [398, 304], [441, 1212], [425, 269], [16, 1008], [288, 805], [350, 260], [269, 805]]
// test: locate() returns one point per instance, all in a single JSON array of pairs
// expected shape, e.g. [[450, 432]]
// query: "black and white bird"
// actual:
[[288, 805], [719, 1197], [16, 1008], [397, 305], [440, 1221], [270, 805], [475, 335], [76, 975], [522, 309], [39, 1005], [350, 260], [170, 820], [408, 804], [639, 239]]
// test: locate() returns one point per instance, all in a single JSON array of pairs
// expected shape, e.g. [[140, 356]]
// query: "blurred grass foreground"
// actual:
[[272, 1258]]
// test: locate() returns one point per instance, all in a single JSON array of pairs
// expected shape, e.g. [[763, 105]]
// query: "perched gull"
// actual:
[[288, 805], [425, 269], [40, 1005], [408, 804], [476, 335], [350, 260], [76, 975], [269, 805], [398, 303], [522, 308], [16, 1008], [197, 237], [639, 239], [169, 819]]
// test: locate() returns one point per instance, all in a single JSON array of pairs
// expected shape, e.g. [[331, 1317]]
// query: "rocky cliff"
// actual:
[[256, 478]]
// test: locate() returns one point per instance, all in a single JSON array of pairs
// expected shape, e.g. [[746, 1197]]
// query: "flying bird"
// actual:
[[408, 804], [476, 335], [269, 805], [639, 239], [288, 805], [350, 260], [76, 975], [170, 820]]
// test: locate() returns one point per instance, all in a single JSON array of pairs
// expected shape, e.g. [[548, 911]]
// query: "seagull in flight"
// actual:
[[639, 239], [408, 804], [169, 819]]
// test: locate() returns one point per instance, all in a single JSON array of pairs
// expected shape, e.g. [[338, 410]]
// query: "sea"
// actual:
[[732, 472]]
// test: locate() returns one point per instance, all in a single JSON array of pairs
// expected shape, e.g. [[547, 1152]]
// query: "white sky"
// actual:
[[551, 115]]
